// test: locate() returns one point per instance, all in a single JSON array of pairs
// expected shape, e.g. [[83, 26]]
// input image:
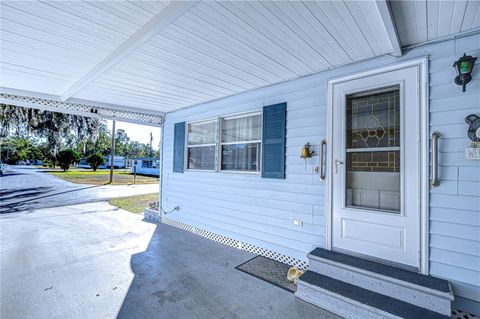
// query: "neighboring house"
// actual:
[[233, 166], [119, 162], [144, 165], [83, 163]]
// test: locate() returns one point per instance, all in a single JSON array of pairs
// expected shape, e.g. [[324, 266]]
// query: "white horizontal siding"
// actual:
[[455, 204], [261, 211], [248, 205]]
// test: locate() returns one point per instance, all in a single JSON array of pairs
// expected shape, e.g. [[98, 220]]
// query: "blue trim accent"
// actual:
[[274, 140], [179, 147]]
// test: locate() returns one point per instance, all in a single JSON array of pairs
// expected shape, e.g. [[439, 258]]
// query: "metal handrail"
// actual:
[[322, 151], [435, 181]]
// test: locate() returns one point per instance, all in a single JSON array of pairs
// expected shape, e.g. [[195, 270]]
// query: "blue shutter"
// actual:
[[179, 147], [273, 140]]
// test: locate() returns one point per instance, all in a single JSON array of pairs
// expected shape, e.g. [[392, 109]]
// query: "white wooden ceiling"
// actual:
[[163, 56], [425, 20]]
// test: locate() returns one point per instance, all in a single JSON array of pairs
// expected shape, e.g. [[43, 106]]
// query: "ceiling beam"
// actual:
[[171, 12], [390, 27]]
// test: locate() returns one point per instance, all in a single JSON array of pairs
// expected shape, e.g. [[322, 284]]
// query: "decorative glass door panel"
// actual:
[[373, 150]]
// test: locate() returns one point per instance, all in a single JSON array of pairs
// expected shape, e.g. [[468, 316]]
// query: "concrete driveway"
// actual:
[[97, 261], [69, 262], [26, 188]]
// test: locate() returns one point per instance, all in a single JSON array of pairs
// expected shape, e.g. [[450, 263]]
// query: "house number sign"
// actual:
[[473, 152]]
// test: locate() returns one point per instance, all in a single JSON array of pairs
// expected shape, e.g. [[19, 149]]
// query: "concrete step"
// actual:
[[350, 301], [424, 291]]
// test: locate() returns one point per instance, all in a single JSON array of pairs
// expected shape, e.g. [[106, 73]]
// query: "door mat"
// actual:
[[269, 270]]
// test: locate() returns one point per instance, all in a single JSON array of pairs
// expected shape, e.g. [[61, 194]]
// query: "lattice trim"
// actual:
[[87, 110], [237, 244], [458, 314]]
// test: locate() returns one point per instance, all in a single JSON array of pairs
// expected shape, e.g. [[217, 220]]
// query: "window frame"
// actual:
[[215, 144], [218, 143]]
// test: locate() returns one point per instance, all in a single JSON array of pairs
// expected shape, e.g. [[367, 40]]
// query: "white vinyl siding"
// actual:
[[261, 211]]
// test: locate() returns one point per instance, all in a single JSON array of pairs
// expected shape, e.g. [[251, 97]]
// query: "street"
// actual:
[[25, 188]]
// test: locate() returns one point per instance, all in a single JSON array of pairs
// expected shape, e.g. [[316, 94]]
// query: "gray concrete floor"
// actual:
[[26, 188], [97, 261]]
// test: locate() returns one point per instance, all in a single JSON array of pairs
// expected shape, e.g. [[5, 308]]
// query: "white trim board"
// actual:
[[422, 67]]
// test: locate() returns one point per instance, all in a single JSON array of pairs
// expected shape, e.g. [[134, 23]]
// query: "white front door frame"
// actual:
[[422, 68]]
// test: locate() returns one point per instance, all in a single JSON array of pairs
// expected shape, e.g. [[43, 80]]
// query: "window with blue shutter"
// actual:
[[179, 147], [273, 140]]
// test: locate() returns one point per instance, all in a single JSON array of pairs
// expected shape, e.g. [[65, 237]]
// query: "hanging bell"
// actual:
[[306, 153]]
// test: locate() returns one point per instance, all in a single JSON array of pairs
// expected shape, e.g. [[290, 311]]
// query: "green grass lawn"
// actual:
[[134, 204], [101, 177]]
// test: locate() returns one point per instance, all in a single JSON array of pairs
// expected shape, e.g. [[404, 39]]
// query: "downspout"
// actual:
[[160, 176]]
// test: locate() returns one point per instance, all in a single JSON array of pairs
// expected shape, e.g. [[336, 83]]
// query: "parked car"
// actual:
[[3, 168], [20, 162]]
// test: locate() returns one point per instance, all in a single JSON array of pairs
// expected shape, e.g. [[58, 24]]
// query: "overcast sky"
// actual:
[[139, 133]]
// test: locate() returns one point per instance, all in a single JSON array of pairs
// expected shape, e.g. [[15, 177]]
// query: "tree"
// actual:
[[95, 160], [58, 129], [121, 142], [67, 157]]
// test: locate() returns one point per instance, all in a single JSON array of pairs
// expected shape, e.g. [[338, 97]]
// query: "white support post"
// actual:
[[112, 153]]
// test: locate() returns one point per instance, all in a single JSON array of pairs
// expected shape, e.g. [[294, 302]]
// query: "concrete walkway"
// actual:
[[97, 261], [26, 188]]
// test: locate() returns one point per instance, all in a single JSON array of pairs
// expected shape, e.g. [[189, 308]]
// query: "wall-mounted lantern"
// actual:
[[464, 67], [307, 152]]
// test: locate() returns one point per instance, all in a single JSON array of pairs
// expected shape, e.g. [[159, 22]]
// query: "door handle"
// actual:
[[435, 181], [337, 162], [322, 168]]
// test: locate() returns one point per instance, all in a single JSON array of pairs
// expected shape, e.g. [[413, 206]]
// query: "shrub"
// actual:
[[67, 157], [95, 160]]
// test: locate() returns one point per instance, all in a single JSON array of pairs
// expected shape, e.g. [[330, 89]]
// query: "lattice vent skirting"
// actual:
[[237, 244], [84, 109], [458, 314]]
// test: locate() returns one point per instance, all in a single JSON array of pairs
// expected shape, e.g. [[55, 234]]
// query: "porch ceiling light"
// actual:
[[464, 67]]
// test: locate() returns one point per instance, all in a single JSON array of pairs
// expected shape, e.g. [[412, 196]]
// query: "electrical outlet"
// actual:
[[298, 222]]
